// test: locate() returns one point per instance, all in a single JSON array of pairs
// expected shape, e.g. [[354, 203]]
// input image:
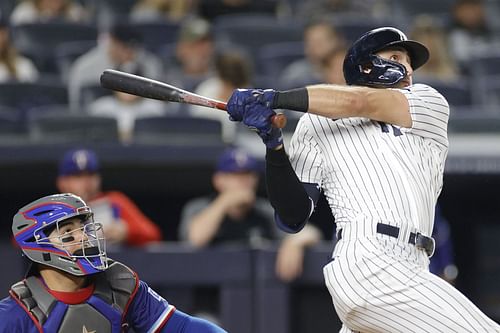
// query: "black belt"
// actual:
[[417, 239]]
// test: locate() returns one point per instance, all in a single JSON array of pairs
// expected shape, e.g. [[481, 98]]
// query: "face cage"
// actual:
[[92, 239], [384, 73]]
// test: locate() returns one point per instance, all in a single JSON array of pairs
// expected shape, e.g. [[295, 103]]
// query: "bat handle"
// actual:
[[278, 120]]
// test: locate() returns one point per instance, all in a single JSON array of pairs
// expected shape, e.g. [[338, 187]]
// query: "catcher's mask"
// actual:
[[59, 231], [382, 72]]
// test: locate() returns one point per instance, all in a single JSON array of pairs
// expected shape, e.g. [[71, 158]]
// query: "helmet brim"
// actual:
[[419, 54]]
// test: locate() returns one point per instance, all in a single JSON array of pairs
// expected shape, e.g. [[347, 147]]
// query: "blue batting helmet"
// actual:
[[34, 225], [364, 68]]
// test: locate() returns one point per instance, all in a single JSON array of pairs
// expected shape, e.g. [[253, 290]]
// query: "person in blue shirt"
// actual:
[[71, 285]]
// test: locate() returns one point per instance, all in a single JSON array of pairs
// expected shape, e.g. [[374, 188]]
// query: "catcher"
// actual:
[[72, 286]]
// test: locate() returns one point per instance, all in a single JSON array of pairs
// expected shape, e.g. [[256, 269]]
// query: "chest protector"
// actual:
[[102, 312]]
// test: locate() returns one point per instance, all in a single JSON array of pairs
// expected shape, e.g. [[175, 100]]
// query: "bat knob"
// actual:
[[279, 120]]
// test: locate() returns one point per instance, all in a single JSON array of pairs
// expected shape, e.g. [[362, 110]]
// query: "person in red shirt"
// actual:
[[123, 222]]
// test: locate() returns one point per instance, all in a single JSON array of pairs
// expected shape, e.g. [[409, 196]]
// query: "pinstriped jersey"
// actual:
[[373, 171]]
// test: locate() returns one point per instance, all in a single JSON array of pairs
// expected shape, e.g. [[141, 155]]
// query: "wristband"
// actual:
[[295, 99]]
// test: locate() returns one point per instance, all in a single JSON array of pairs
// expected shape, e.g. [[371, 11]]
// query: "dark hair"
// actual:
[[126, 34], [234, 67]]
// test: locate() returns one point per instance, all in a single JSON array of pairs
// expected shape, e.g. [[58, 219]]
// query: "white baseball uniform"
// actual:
[[374, 173]]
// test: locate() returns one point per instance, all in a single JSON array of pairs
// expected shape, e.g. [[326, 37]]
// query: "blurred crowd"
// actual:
[[52, 53]]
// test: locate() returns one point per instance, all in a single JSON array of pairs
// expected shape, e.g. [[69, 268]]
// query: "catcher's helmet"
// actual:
[[382, 72], [33, 226]]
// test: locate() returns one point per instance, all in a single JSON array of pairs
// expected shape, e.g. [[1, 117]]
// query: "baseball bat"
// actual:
[[148, 88]]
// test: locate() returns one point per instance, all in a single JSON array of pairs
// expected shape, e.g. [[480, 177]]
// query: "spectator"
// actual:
[[235, 214], [121, 49], [320, 37], [232, 70], [39, 11], [157, 10], [126, 108], [366, 8], [194, 54], [441, 64], [211, 9], [332, 66], [470, 31], [123, 222], [13, 66]]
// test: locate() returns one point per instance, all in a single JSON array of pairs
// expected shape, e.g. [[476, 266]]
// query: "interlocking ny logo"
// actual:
[[385, 129]]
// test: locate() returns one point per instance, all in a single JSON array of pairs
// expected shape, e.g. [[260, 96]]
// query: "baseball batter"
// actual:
[[73, 287], [377, 149]]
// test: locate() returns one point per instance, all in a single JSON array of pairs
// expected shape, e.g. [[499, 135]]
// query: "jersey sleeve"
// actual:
[[304, 154], [429, 112], [141, 229], [13, 318], [184, 323], [148, 312]]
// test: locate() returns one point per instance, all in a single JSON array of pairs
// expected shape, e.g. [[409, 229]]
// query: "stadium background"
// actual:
[[161, 177]]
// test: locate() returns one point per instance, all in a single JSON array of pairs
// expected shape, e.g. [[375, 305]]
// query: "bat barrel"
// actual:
[[148, 88]]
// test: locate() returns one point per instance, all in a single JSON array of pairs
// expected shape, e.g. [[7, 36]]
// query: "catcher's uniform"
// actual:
[[115, 301], [382, 183]]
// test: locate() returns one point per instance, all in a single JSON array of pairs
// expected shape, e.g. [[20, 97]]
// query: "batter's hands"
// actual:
[[253, 107]]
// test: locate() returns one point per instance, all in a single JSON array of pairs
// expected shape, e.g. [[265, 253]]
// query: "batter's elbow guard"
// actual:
[[289, 226]]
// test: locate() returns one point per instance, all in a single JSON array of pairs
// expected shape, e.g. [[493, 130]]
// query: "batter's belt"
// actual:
[[420, 241]]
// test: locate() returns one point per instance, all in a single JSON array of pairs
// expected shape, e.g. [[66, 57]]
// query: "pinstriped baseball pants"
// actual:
[[381, 284]]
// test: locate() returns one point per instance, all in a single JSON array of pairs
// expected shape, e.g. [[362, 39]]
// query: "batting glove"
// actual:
[[253, 107]]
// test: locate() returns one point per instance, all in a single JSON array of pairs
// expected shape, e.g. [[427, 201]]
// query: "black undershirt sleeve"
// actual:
[[285, 191]]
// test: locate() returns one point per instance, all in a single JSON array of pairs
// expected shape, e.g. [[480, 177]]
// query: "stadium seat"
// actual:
[[487, 90], [67, 52], [474, 120], [156, 35], [253, 31], [485, 63], [89, 93], [59, 127], [273, 58], [48, 109], [12, 129], [6, 7], [353, 26], [39, 41], [458, 93], [24, 96], [9, 123], [108, 12], [411, 8], [178, 130]]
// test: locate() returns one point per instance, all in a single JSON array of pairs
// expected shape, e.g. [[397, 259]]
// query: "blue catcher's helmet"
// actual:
[[34, 225], [364, 68]]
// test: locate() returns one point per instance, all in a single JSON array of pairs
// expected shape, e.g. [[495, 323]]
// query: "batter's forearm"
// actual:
[[334, 101]]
